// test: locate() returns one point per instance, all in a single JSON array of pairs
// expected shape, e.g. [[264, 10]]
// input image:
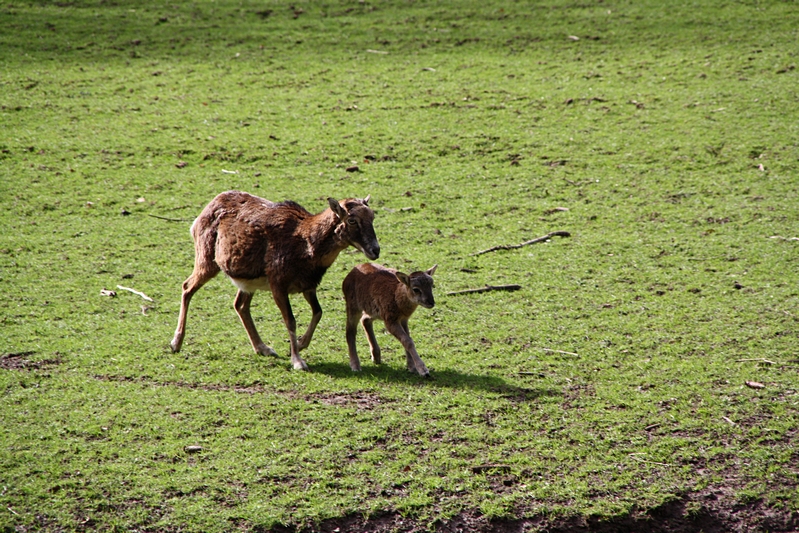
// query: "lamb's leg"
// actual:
[[242, 306], [282, 300], [374, 348], [316, 309], [352, 330], [198, 278], [413, 360]]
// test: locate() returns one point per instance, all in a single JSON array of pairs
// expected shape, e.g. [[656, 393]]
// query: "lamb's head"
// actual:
[[420, 286]]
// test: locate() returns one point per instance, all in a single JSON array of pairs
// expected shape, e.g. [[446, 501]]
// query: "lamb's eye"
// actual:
[[352, 222], [416, 291]]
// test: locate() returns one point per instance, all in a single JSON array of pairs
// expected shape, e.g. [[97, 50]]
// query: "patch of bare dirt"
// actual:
[[359, 400], [692, 514], [19, 361]]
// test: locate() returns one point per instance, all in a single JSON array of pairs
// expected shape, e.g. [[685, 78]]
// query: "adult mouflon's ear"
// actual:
[[337, 209]]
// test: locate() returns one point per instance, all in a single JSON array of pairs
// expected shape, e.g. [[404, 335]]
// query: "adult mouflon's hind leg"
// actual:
[[203, 272], [316, 309]]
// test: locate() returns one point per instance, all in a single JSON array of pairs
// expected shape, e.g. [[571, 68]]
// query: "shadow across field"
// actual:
[[372, 377], [447, 378]]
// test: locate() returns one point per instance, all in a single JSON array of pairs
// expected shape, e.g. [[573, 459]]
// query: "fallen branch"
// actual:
[[477, 469], [784, 238], [134, 291], [169, 219], [487, 288], [525, 243]]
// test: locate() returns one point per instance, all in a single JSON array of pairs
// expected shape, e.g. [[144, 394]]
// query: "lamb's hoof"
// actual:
[[174, 346], [422, 373]]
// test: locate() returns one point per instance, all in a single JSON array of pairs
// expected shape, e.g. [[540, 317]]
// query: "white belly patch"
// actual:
[[252, 285]]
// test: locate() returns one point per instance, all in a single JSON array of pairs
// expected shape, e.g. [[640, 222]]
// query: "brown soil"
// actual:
[[714, 510], [706, 513], [19, 361]]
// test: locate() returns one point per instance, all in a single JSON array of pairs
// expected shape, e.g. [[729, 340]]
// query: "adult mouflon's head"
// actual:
[[356, 226]]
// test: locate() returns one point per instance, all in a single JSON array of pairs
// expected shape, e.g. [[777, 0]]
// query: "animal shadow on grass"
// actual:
[[447, 378]]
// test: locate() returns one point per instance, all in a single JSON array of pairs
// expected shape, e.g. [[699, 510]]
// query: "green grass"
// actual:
[[668, 131]]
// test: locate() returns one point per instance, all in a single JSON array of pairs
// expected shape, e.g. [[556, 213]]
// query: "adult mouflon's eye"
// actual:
[[352, 222]]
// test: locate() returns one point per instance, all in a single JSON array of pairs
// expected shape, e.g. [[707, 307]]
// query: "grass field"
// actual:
[[644, 378]]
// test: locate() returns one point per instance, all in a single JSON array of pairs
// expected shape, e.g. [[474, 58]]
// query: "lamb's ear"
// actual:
[[405, 279], [337, 209], [432, 270], [366, 200]]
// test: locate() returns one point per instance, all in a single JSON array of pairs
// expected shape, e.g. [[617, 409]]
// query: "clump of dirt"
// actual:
[[359, 400], [18, 361]]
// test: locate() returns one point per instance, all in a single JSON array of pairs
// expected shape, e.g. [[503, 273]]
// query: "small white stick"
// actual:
[[560, 351], [758, 359], [134, 291], [635, 456]]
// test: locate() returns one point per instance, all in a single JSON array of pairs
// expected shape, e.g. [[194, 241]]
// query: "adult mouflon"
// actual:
[[276, 247]]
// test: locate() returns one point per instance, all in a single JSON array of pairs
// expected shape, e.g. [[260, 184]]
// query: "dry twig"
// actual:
[[487, 288], [169, 219], [134, 291], [525, 243]]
